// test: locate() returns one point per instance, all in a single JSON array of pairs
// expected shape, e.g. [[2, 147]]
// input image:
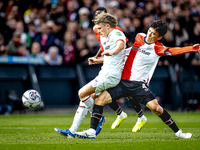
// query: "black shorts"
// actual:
[[139, 91]]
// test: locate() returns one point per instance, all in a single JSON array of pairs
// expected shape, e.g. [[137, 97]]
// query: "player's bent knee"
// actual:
[[80, 93], [103, 99], [155, 107]]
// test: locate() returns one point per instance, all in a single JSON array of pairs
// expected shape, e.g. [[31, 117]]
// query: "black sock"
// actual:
[[167, 119], [135, 104], [96, 116], [114, 106]]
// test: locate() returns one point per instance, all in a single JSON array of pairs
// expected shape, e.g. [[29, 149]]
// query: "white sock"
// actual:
[[122, 115], [89, 103], [141, 118], [93, 131], [80, 114]]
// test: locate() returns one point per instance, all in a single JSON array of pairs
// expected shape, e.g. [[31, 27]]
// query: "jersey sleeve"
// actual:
[[102, 50], [118, 35], [118, 28], [161, 50], [97, 34]]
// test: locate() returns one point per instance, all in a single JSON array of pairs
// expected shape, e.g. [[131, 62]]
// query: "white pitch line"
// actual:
[[16, 128]]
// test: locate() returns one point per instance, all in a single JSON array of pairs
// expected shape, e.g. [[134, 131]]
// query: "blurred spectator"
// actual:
[[59, 30], [45, 38], [81, 48], [146, 22], [91, 49], [113, 7], [3, 47], [57, 12], [14, 43], [180, 34], [22, 51], [73, 27], [84, 20], [2, 16], [25, 38], [9, 5], [168, 39], [32, 30], [30, 17], [129, 30], [149, 8], [50, 25], [10, 28], [71, 12], [53, 57], [186, 59], [196, 60], [44, 13], [15, 11], [36, 50], [195, 34], [86, 3], [137, 25], [68, 46]]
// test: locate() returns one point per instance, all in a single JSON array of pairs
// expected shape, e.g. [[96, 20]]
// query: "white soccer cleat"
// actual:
[[180, 134], [87, 134]]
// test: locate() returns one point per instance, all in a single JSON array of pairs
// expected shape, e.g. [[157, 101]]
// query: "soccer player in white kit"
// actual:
[[110, 74], [121, 115], [138, 70]]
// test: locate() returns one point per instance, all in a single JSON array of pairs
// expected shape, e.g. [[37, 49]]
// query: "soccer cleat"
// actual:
[[66, 133], [139, 124], [118, 121], [100, 125], [87, 134], [180, 134]]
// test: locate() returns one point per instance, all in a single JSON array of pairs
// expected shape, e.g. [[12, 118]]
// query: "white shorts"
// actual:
[[104, 83]]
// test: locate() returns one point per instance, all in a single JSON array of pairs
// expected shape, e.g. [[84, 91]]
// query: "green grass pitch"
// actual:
[[36, 132]]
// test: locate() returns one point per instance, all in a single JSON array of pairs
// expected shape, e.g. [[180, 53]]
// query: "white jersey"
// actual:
[[110, 73], [113, 65]]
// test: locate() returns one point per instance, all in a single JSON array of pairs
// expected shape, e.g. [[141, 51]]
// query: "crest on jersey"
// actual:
[[108, 39]]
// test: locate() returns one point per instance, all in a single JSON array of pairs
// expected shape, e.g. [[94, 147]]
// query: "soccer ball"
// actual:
[[31, 98]]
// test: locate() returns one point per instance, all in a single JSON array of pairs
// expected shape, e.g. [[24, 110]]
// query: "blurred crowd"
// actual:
[[61, 31]]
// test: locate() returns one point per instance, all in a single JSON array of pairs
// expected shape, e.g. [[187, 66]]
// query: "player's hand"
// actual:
[[91, 60], [197, 46], [107, 53]]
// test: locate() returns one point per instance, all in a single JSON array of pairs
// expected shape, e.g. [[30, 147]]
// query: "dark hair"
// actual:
[[160, 26], [101, 9]]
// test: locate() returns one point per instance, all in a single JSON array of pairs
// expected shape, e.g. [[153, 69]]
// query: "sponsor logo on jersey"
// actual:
[[118, 33], [107, 47], [141, 51]]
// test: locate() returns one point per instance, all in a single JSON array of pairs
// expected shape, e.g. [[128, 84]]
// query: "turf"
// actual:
[[35, 132]]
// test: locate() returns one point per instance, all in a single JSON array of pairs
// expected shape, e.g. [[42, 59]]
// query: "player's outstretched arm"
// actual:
[[197, 46], [173, 51], [94, 60], [119, 47]]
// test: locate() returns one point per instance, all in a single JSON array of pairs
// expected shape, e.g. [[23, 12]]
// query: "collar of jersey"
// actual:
[[146, 41], [110, 33]]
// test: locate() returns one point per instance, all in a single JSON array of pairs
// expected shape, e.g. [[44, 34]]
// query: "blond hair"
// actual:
[[105, 18]]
